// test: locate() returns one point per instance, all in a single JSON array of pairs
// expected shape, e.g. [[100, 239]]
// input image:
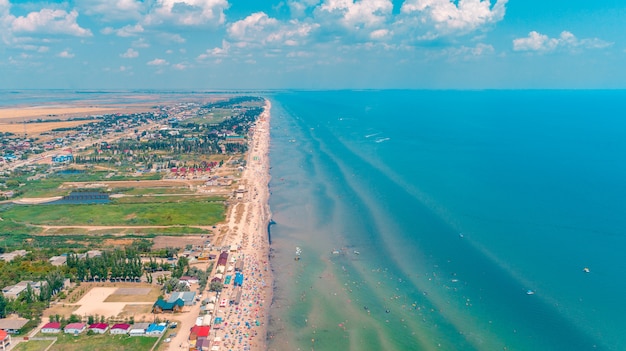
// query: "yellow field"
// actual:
[[51, 112], [36, 128]]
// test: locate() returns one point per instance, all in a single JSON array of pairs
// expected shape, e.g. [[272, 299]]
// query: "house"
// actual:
[[51, 328], [187, 296], [12, 325], [155, 329], [13, 291], [189, 280], [12, 255], [75, 328], [58, 260], [5, 340], [139, 329], [198, 331], [99, 328], [161, 306], [62, 158], [121, 328]]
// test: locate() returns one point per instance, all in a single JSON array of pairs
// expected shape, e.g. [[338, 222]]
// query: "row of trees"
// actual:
[[115, 265]]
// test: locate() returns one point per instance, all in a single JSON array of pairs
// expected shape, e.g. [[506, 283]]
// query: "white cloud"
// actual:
[[538, 42], [158, 62], [65, 54], [260, 29], [130, 53], [113, 10], [48, 21], [216, 52], [180, 66], [187, 12], [141, 43], [355, 15], [129, 31], [380, 34], [448, 17]]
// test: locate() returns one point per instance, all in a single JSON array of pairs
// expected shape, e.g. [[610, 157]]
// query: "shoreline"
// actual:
[[247, 225]]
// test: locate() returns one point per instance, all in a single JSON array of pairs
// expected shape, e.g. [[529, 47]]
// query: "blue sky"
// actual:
[[312, 44]]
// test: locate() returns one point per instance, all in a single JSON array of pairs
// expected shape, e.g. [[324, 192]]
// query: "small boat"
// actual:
[[336, 252], [530, 292], [356, 252], [586, 270], [461, 235]]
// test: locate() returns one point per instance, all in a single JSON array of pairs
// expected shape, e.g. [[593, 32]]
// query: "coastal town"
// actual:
[[137, 230]]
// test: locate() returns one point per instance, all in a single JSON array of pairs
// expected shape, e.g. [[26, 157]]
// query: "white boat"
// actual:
[[530, 292], [356, 252], [586, 270]]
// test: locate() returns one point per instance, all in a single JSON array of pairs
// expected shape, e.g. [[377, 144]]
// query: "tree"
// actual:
[[216, 286]]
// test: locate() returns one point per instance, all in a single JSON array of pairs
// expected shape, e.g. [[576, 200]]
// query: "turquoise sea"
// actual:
[[459, 220]]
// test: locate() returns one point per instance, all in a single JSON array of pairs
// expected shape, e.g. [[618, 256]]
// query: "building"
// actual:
[[62, 158], [5, 340], [187, 297], [99, 328], [12, 325], [13, 291], [75, 328], [51, 328], [12, 255], [121, 328], [155, 329], [161, 306], [58, 260], [139, 329]]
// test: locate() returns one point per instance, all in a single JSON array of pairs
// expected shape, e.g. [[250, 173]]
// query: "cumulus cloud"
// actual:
[[65, 54], [50, 21], [158, 62], [130, 53], [448, 17], [260, 29], [216, 52], [187, 12], [355, 15], [538, 42], [129, 31], [113, 10]]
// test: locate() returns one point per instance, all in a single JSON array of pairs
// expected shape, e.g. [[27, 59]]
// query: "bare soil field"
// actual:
[[37, 128], [161, 242], [19, 114]]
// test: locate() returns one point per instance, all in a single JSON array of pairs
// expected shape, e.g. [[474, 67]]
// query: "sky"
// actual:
[[312, 44]]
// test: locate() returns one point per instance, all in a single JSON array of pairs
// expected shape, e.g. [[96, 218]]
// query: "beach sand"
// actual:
[[246, 324]]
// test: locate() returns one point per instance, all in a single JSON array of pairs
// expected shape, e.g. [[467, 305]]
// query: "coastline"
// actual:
[[247, 224]]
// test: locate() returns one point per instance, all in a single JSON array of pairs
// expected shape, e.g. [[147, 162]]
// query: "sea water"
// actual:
[[448, 220]]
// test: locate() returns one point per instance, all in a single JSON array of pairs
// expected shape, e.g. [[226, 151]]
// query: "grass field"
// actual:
[[166, 199], [132, 214], [83, 342]]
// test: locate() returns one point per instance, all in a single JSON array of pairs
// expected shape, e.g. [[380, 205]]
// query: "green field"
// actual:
[[131, 214], [104, 342], [166, 199]]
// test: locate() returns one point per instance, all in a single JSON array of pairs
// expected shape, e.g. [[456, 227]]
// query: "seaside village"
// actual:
[[203, 289], [225, 315]]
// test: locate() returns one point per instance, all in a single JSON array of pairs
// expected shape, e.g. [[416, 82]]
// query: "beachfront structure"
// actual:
[[155, 329], [12, 325], [51, 328], [198, 331], [58, 260], [187, 296], [139, 329], [119, 329], [161, 306], [5, 340], [75, 328], [238, 279], [99, 328]]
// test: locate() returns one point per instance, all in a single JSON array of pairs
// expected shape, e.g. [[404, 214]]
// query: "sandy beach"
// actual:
[[245, 325]]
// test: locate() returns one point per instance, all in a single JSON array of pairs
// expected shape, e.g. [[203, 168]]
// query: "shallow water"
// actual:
[[457, 203]]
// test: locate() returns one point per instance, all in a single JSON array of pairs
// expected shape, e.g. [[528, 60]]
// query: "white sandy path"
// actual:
[[93, 303]]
